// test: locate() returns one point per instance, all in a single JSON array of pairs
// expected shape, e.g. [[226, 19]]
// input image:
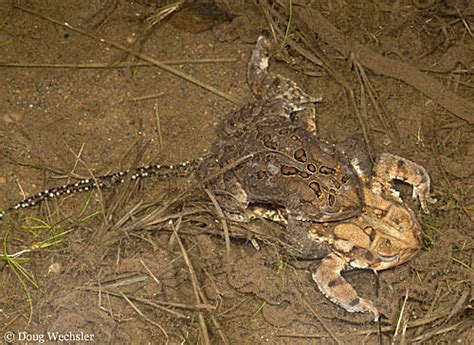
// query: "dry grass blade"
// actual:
[[43, 167], [457, 307], [386, 329], [122, 196], [414, 324], [108, 65], [175, 216], [99, 192], [319, 318], [150, 273], [266, 9], [78, 155], [10, 321], [382, 113], [362, 123], [428, 335], [158, 126], [434, 302], [338, 77], [161, 305], [221, 215], [215, 322], [139, 312], [400, 318], [146, 97], [302, 336], [164, 12], [196, 288], [123, 280]]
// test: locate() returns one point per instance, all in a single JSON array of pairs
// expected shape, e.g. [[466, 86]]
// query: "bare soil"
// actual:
[[131, 281]]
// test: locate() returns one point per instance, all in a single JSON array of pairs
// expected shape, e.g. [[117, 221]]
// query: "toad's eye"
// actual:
[[384, 245], [389, 258]]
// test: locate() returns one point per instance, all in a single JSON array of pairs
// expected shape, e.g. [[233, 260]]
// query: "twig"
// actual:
[[458, 305], [40, 166], [158, 127], [76, 162], [10, 321], [215, 322], [302, 336], [146, 97], [413, 324], [400, 318], [380, 109], [275, 29], [22, 191], [123, 280], [339, 78], [221, 215], [150, 273], [196, 288], [164, 12], [424, 337], [237, 305], [139, 312], [157, 304], [99, 192], [108, 65], [319, 318]]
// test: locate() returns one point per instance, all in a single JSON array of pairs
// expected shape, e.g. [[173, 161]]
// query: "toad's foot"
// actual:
[[265, 84], [389, 167], [337, 289]]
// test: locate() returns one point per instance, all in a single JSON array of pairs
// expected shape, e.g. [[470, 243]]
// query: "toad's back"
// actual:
[[291, 168]]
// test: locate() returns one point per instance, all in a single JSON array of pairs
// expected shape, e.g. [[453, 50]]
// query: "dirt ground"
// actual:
[[72, 105]]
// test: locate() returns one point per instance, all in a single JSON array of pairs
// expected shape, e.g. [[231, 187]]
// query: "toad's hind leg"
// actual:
[[265, 84], [389, 167], [329, 280]]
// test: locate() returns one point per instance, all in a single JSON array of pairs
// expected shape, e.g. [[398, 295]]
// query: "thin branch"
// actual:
[[139, 312], [196, 288], [109, 65]]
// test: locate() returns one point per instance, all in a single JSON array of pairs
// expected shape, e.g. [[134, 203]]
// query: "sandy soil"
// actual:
[[127, 283]]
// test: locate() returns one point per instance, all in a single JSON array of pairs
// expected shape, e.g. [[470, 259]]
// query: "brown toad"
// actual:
[[335, 204]]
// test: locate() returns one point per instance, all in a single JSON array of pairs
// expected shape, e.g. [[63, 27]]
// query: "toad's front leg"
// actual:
[[265, 84], [337, 289], [389, 167]]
